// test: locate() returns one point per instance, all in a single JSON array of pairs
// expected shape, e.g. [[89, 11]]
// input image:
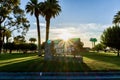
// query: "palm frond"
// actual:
[[116, 19], [51, 8]]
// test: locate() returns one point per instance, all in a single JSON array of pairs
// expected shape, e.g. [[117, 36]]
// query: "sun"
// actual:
[[65, 36]]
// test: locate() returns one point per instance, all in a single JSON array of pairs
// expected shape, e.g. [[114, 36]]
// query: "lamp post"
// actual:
[[1, 38]]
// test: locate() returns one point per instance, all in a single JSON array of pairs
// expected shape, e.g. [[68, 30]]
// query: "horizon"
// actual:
[[82, 19]]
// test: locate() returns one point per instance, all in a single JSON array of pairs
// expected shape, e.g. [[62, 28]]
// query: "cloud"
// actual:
[[32, 33], [83, 31], [41, 24]]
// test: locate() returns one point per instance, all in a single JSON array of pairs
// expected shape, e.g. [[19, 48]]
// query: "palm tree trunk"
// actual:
[[47, 29], [39, 37], [48, 55], [93, 44]]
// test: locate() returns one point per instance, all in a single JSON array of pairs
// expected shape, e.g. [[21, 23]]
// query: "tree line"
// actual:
[[14, 18], [22, 47], [111, 36]]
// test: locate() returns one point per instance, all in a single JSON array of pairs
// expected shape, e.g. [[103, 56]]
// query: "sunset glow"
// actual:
[[65, 36], [81, 23]]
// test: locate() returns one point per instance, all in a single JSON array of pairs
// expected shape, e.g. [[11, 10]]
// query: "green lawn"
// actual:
[[102, 61], [31, 62]]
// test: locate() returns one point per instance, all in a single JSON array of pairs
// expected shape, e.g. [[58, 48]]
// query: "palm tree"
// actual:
[[51, 8], [116, 19], [33, 7], [93, 40], [32, 40]]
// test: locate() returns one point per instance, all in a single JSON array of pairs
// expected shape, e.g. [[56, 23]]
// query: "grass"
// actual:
[[101, 61], [14, 55], [32, 63]]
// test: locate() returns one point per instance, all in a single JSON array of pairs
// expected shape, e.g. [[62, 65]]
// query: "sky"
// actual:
[[82, 19]]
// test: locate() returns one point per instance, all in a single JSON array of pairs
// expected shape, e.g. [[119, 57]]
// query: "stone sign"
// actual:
[[55, 48]]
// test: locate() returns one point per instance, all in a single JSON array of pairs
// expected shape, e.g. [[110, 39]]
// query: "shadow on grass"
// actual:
[[105, 57], [16, 60], [15, 55], [65, 64], [39, 64]]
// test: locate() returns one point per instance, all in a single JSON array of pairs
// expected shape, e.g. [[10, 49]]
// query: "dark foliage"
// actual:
[[111, 37], [24, 47], [99, 47]]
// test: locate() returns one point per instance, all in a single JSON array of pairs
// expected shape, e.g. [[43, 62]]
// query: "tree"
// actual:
[[12, 17], [76, 46], [9, 46], [93, 40], [50, 8], [6, 7], [33, 7], [32, 40], [19, 39], [99, 47], [116, 19], [32, 47], [7, 34], [111, 37]]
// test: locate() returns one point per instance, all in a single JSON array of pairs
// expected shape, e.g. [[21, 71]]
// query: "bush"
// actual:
[[27, 47], [24, 47], [99, 47], [9, 46], [32, 47]]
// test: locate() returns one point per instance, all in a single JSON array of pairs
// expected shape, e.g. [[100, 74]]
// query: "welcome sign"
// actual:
[[65, 47]]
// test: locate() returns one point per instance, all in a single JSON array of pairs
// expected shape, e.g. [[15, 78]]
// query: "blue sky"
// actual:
[[80, 18]]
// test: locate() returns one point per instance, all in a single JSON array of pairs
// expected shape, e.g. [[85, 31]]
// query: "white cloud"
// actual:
[[41, 24], [83, 31], [32, 33]]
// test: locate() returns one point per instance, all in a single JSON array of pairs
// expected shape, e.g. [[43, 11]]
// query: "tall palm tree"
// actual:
[[93, 40], [51, 8], [116, 19], [33, 7]]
